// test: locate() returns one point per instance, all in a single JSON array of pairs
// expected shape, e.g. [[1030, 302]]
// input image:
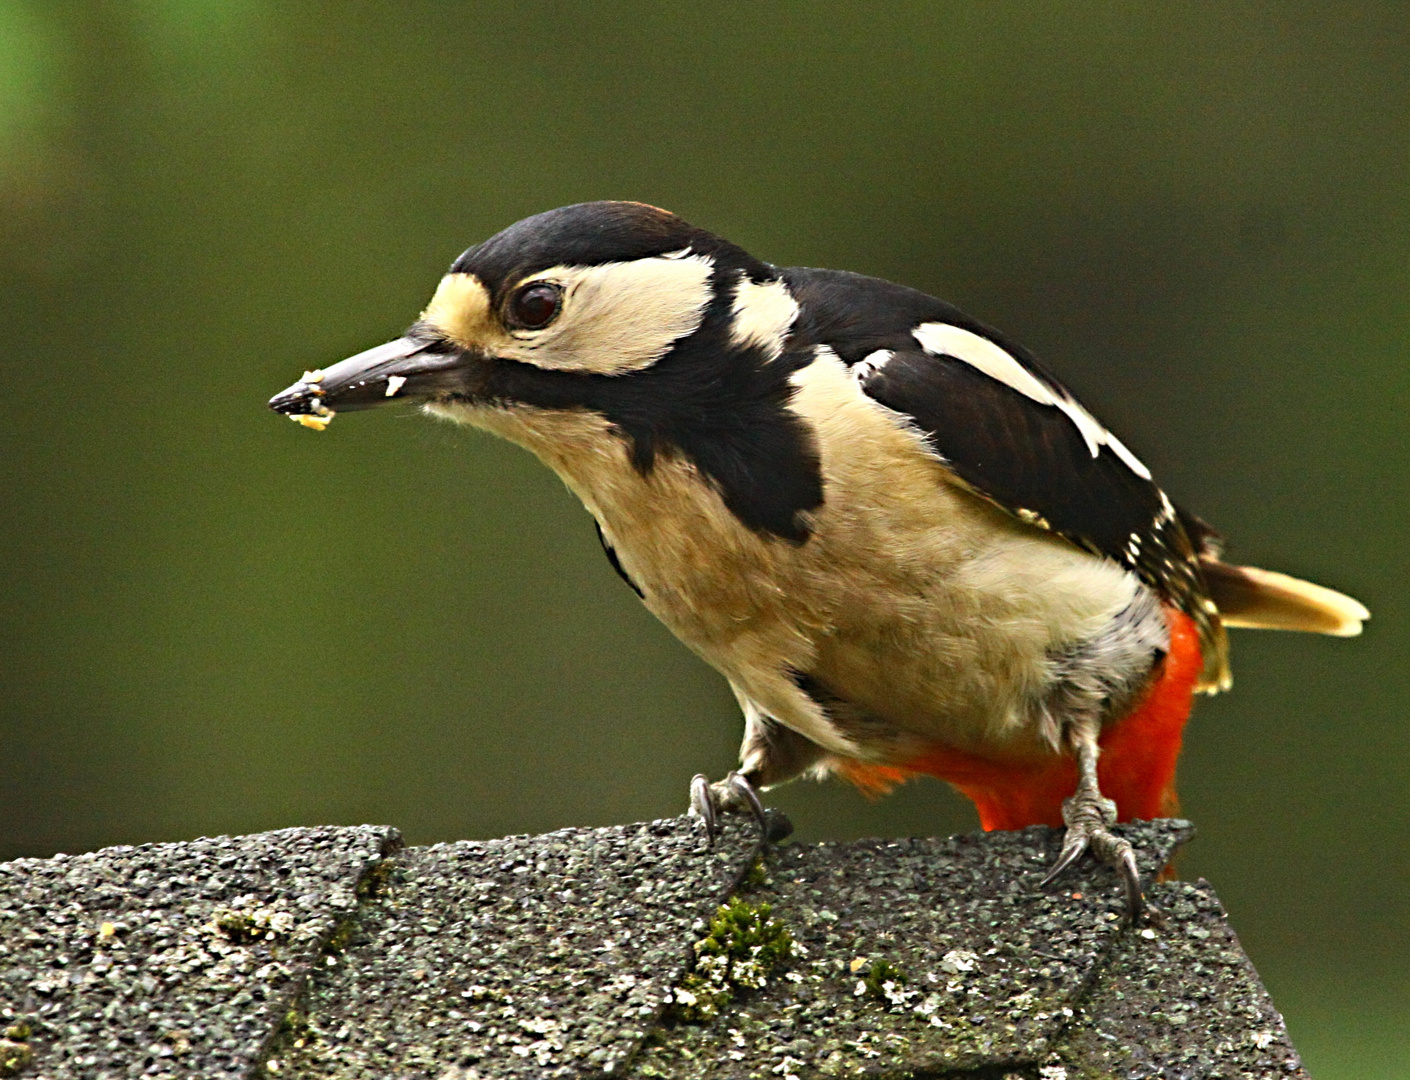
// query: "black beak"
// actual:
[[402, 370]]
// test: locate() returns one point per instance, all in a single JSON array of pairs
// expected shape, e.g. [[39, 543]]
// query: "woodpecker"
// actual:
[[904, 543]]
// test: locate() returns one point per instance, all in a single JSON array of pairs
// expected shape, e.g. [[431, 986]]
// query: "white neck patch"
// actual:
[[763, 316], [942, 339]]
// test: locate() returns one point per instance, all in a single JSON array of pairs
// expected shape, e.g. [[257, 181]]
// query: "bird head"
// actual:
[[606, 330], [542, 312]]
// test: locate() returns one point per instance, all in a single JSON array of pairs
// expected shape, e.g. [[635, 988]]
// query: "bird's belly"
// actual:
[[915, 601], [970, 663], [945, 632]]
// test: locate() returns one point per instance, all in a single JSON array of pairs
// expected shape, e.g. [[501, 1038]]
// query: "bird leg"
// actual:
[[734, 792], [1089, 816], [771, 754]]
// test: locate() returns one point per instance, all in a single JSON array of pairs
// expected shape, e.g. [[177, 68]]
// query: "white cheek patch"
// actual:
[[763, 315], [942, 339], [618, 317]]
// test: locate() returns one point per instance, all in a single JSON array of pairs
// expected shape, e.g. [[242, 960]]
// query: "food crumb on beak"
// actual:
[[395, 383], [318, 423], [315, 376]]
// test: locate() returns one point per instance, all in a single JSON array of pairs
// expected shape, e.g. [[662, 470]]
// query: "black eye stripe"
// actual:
[[535, 305]]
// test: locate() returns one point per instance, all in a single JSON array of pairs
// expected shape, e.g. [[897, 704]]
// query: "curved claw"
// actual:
[[1131, 882], [1119, 855], [1110, 849], [702, 805], [734, 792], [1073, 848], [1089, 816], [745, 789]]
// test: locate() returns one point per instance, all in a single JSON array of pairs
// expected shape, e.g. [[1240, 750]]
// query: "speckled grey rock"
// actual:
[[534, 956], [1180, 1002], [169, 960], [992, 969], [327, 953]]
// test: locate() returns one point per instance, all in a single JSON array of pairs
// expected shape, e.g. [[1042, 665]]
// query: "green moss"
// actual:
[[295, 1026], [238, 926], [879, 974], [19, 1031], [374, 882], [756, 877], [14, 1057], [243, 927], [743, 947], [341, 938]]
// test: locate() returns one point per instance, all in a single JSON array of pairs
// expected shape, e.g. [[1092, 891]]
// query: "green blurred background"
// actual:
[[216, 621]]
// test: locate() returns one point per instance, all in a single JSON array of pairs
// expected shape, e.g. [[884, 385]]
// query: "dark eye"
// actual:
[[534, 306]]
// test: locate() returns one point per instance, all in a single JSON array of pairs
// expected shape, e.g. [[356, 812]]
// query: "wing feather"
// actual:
[[1012, 433]]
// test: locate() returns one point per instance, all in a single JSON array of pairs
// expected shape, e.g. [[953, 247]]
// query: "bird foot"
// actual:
[[1089, 817], [733, 794]]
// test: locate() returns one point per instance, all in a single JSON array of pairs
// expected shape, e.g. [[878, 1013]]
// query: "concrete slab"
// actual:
[[169, 960], [322, 953], [1182, 1002], [988, 969], [534, 956]]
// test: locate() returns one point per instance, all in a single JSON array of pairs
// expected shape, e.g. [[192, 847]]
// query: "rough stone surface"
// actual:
[[169, 960], [1182, 1002], [989, 968], [328, 953], [531, 956]]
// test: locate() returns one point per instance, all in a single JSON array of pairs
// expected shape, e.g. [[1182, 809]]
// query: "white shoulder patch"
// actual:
[[942, 339], [870, 364], [763, 315]]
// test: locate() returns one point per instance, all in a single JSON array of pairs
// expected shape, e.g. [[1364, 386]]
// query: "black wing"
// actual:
[[1030, 458]]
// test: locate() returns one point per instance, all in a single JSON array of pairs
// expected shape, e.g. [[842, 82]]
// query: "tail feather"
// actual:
[[1263, 599]]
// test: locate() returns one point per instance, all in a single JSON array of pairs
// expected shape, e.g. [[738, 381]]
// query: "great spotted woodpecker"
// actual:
[[904, 543]]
